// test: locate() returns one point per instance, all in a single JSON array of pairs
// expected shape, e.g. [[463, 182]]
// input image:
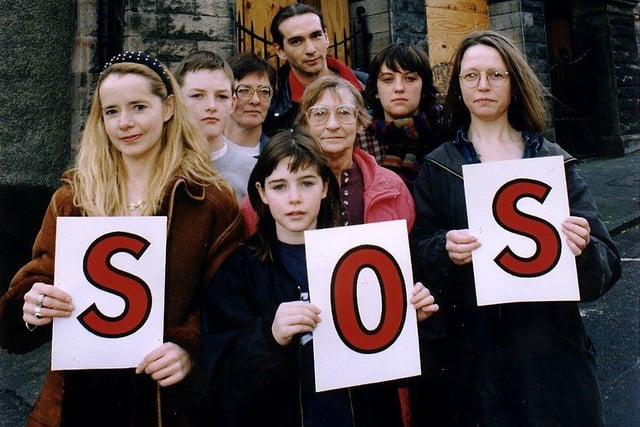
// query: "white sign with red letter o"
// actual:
[[360, 277]]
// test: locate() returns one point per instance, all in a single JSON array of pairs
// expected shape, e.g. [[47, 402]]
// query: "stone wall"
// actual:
[[35, 68], [523, 22], [171, 29], [408, 21], [604, 29], [626, 70]]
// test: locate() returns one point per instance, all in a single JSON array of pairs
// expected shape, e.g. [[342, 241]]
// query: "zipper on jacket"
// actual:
[[159, 405], [446, 168], [300, 371], [353, 413]]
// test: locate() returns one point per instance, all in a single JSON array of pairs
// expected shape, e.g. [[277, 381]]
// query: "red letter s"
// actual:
[[545, 236], [133, 290]]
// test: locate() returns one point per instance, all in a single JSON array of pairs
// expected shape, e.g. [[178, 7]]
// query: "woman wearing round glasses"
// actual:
[[520, 364], [333, 112], [254, 82]]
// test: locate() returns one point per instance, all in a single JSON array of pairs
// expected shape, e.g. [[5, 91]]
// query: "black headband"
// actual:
[[144, 59]]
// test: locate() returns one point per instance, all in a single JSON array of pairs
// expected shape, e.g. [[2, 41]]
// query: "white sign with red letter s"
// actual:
[[114, 270], [515, 209]]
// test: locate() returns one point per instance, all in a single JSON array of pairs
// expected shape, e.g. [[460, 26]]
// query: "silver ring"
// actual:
[[37, 312], [40, 300]]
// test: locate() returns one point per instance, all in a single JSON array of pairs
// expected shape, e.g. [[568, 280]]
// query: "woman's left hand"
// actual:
[[423, 302], [168, 364], [577, 231]]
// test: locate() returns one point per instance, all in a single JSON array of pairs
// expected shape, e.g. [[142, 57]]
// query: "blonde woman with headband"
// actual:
[[139, 155]]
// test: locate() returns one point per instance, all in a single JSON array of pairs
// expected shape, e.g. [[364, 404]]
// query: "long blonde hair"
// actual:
[[99, 180]]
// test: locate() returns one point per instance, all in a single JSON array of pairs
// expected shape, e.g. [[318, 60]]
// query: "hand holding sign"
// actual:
[[43, 302], [294, 317], [459, 245], [577, 230]]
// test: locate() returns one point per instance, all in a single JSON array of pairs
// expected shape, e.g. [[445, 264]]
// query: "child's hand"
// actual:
[[423, 302], [294, 317]]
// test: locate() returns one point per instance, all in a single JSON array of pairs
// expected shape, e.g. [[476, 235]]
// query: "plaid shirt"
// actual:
[[368, 141]]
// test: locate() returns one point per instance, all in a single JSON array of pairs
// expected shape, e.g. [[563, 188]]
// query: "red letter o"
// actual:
[[344, 286]]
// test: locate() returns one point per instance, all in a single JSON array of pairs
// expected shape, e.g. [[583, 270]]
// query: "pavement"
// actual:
[[615, 186], [613, 321]]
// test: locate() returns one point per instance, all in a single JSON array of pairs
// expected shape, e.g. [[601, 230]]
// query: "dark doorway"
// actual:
[[570, 71]]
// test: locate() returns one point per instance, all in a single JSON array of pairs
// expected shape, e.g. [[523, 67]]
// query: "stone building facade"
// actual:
[[585, 51]]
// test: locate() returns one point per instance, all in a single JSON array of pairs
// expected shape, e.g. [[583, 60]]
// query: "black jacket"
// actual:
[[252, 379], [525, 364], [283, 110]]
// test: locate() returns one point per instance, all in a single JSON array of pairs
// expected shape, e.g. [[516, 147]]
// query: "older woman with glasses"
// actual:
[[519, 364], [333, 112]]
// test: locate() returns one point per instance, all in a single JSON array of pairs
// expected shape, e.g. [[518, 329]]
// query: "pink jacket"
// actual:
[[386, 197]]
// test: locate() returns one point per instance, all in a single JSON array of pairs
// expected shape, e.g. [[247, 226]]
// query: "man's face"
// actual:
[[304, 45]]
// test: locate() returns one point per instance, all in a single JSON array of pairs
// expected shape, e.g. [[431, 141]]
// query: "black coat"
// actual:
[[252, 379], [525, 364]]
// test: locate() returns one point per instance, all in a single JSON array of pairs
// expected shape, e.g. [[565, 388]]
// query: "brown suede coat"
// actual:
[[204, 226]]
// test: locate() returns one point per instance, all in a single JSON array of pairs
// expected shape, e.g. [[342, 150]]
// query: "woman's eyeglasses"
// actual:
[[471, 78], [245, 92], [319, 114]]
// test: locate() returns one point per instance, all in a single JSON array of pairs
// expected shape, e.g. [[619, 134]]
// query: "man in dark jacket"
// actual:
[[300, 38]]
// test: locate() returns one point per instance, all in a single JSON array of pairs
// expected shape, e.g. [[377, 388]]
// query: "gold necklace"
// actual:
[[134, 206]]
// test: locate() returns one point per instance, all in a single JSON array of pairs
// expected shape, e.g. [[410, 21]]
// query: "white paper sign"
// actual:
[[515, 209], [352, 272], [114, 270]]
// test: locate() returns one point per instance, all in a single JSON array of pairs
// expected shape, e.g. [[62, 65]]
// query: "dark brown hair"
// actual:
[[302, 151], [287, 12], [247, 63], [401, 57]]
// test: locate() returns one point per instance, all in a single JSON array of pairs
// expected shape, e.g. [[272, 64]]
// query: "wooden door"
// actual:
[[449, 21]]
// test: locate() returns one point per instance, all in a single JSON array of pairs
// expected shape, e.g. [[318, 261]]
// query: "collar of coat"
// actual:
[[297, 88]]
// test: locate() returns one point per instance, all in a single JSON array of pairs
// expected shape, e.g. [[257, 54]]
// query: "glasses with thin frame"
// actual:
[[245, 92], [319, 114], [471, 78]]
